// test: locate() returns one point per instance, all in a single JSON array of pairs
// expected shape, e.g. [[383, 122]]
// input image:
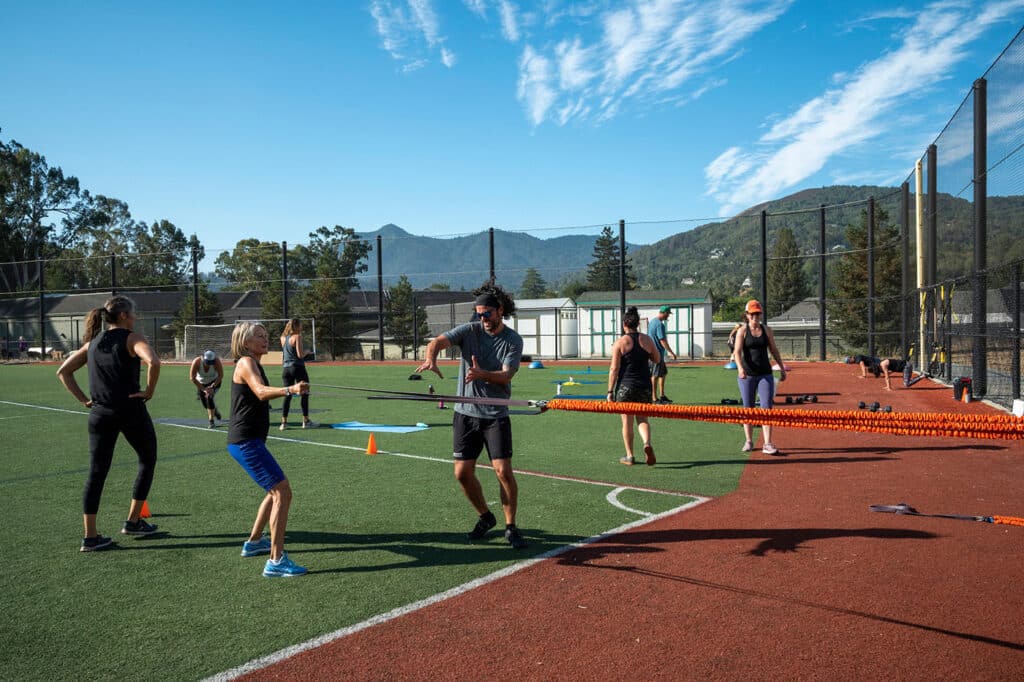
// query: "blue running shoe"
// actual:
[[140, 527], [282, 568], [261, 546]]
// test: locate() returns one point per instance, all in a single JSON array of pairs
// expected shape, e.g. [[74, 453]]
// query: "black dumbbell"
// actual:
[[811, 398], [789, 400], [861, 405], [888, 408], [875, 407], [799, 401], [730, 401]]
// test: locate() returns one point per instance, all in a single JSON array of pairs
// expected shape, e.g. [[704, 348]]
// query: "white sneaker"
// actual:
[[769, 449], [310, 425], [747, 446], [282, 427]]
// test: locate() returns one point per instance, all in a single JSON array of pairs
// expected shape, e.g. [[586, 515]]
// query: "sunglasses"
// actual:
[[485, 315]]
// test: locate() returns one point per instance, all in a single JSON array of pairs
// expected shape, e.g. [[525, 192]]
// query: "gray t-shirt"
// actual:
[[492, 354]]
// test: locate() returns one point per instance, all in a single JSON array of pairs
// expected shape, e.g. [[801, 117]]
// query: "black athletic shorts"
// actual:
[[896, 365], [471, 434]]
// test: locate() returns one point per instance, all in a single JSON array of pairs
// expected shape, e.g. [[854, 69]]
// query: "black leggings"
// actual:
[[105, 424], [292, 375]]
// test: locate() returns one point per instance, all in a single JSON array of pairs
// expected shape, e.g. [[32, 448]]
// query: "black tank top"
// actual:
[[755, 356], [250, 416], [635, 370], [113, 372]]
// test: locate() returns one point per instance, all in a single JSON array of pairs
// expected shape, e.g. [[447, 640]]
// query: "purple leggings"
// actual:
[[762, 385]]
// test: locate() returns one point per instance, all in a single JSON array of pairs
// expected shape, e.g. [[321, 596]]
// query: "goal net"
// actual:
[[217, 337]]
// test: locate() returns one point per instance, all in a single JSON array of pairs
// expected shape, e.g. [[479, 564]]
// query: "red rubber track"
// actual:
[[789, 577]]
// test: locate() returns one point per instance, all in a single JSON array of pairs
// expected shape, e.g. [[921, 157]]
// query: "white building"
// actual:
[[549, 327], [688, 328]]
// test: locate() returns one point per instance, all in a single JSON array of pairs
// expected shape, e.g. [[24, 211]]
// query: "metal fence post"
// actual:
[[979, 346], [871, 276], [821, 286]]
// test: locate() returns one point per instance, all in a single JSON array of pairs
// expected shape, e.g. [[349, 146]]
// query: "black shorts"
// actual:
[[897, 365], [471, 434], [633, 394], [658, 369]]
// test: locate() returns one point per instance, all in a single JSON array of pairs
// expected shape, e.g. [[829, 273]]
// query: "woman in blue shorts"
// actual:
[[629, 381], [247, 443], [755, 348]]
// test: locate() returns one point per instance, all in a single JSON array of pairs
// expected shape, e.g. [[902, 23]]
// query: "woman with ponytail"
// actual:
[[113, 352]]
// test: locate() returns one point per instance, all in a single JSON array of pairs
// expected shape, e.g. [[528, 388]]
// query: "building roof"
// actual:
[[544, 303]]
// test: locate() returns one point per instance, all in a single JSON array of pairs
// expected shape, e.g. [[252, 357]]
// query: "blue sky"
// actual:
[[446, 117]]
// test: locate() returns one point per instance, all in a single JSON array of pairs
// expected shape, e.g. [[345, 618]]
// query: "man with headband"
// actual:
[[490, 352]]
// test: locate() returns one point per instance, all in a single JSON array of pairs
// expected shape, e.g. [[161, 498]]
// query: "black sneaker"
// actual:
[[515, 538], [483, 524], [664, 400], [216, 414], [95, 544], [212, 424], [139, 527]]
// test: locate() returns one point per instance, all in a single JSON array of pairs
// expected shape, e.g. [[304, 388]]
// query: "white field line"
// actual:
[[288, 652], [294, 650]]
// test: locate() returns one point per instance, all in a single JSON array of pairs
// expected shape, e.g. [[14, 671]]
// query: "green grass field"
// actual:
[[377, 533]]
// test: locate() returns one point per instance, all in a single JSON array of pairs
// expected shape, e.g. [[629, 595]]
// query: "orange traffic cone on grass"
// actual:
[[371, 446], [145, 510]]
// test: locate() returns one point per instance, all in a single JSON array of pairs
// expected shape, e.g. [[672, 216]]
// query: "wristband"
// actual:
[[287, 391]]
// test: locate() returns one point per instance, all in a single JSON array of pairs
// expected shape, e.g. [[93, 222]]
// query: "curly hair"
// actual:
[[508, 306]]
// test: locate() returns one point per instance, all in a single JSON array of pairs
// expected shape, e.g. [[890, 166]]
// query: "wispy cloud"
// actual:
[[535, 77], [477, 7], [843, 118], [639, 50], [509, 20], [410, 31]]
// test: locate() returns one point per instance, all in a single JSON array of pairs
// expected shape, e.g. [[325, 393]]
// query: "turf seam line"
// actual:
[[294, 650]]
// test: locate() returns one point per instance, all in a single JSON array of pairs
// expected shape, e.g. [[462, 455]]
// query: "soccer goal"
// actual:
[[217, 337]]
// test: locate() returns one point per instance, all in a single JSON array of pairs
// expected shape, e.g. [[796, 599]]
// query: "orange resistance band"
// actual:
[[986, 426]]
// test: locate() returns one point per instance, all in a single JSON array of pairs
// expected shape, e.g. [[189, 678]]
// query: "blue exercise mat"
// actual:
[[380, 428]]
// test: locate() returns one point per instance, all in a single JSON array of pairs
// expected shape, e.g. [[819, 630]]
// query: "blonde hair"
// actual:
[[294, 326], [240, 336]]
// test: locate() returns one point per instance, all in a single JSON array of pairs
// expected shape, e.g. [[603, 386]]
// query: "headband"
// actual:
[[487, 300]]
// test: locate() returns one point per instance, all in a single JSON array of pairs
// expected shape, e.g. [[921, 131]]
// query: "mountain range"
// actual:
[[717, 255]]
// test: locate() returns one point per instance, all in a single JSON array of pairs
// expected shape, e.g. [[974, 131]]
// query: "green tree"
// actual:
[[209, 310], [787, 285], [573, 287], [400, 313], [255, 265], [41, 212], [731, 309], [330, 264], [603, 271], [533, 285], [848, 308]]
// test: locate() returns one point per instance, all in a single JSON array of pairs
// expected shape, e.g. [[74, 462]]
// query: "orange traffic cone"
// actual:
[[145, 510], [371, 446]]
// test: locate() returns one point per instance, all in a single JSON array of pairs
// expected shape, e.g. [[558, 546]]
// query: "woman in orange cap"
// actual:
[[755, 348]]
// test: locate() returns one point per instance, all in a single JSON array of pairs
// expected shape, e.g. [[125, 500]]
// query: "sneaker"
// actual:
[[665, 400], [483, 524], [649, 455], [282, 427], [212, 425], [514, 537], [216, 414], [747, 446], [261, 546], [769, 449], [310, 425], [139, 527], [95, 544], [628, 461], [283, 568]]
